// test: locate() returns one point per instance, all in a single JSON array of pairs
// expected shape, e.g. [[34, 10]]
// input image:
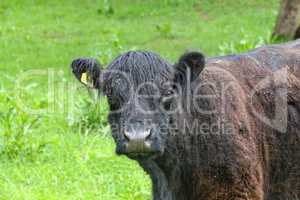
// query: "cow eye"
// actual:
[[167, 99], [169, 93]]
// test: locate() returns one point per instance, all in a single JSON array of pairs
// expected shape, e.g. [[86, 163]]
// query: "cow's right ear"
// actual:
[[87, 71]]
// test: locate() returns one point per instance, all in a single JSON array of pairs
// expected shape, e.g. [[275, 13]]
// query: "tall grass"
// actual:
[[17, 129]]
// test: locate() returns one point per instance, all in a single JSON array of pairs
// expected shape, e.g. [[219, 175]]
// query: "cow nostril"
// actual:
[[148, 134], [126, 136]]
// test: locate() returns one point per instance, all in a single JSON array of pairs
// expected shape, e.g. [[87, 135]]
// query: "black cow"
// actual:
[[224, 128]]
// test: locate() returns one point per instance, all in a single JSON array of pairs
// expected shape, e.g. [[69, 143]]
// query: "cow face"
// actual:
[[144, 92]]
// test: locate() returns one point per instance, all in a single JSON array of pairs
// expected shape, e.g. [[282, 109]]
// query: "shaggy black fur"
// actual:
[[214, 147]]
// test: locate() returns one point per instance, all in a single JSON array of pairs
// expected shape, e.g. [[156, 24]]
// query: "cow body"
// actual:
[[236, 135], [254, 160]]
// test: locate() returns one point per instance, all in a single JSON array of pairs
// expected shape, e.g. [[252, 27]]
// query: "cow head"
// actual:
[[144, 92]]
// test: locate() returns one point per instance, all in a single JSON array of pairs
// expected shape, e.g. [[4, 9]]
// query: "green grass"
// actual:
[[64, 151]]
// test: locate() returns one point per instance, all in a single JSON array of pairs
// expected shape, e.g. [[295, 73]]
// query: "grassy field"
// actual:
[[54, 139]]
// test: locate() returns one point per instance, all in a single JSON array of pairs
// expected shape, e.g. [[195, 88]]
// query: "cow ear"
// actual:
[[87, 71], [189, 67]]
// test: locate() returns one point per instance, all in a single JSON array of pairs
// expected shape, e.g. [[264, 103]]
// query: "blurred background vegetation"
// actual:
[[54, 138]]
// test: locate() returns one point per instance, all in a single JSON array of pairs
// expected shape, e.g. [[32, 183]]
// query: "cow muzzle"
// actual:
[[138, 141]]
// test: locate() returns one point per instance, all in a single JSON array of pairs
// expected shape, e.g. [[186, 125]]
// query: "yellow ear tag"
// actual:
[[84, 78]]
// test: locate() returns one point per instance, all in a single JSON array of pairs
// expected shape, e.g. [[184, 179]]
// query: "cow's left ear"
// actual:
[[189, 66], [87, 71]]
